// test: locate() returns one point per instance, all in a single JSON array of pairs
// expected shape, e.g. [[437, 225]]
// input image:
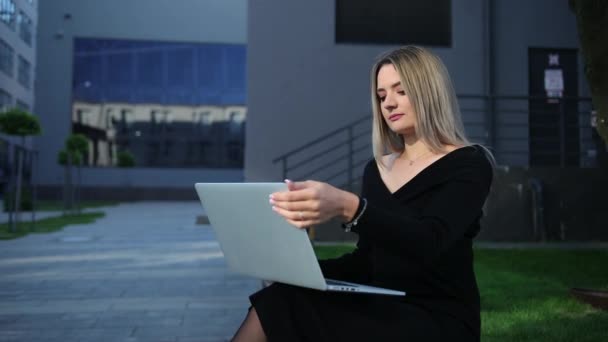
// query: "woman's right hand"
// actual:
[[310, 203]]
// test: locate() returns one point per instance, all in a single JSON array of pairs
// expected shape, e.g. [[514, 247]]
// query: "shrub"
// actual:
[[26, 200], [125, 159]]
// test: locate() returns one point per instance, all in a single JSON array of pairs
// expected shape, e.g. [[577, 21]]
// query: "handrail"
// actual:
[[538, 210], [317, 155], [322, 167], [318, 161], [344, 163], [319, 139], [521, 97]]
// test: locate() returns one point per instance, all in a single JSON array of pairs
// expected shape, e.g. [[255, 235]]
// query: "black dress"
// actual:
[[418, 240]]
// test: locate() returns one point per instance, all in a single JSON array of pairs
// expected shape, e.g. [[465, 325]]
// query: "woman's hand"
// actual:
[[309, 203]]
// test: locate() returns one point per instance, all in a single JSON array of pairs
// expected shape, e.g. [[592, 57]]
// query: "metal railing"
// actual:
[[520, 130], [532, 130], [337, 157]]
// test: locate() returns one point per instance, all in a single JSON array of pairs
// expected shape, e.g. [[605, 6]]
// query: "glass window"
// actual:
[[6, 100], [427, 22], [170, 104], [7, 13], [25, 27], [24, 72], [6, 58]]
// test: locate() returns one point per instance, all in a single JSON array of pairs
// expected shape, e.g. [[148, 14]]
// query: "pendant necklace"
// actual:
[[411, 161]]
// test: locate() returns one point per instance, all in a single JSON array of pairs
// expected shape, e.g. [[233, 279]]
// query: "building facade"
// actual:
[[307, 76], [18, 25], [162, 80], [311, 77]]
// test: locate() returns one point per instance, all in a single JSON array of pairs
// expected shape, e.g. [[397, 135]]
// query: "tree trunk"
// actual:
[[65, 189], [69, 193], [18, 190], [592, 19], [33, 190], [79, 184], [11, 200]]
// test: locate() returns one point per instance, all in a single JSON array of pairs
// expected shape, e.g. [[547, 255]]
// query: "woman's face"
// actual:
[[395, 105]]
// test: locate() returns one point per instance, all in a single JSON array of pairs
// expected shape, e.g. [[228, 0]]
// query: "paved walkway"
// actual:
[[145, 272]]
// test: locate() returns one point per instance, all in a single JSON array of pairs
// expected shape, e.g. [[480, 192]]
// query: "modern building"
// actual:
[[161, 80], [18, 24], [516, 68], [154, 78], [309, 63]]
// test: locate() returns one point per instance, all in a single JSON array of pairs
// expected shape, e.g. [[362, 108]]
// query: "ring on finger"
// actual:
[[301, 216]]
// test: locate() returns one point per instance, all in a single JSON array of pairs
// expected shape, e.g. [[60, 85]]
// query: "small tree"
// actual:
[[78, 146], [592, 23], [125, 159], [20, 123], [67, 159]]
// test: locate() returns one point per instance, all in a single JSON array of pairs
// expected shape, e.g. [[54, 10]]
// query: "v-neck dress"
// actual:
[[417, 239]]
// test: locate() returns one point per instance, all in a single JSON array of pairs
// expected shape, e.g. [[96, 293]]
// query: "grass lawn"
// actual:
[[58, 205], [47, 225], [524, 293]]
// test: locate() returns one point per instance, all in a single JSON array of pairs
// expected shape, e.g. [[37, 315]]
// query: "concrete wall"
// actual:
[[302, 85], [519, 25], [569, 206], [204, 21]]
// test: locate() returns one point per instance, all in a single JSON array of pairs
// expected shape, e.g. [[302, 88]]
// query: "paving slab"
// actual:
[[144, 272]]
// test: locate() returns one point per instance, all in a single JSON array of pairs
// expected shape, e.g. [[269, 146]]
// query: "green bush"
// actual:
[[125, 159], [26, 200], [77, 143], [19, 122], [62, 158]]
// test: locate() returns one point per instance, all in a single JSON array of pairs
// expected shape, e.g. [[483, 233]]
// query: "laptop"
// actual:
[[258, 242]]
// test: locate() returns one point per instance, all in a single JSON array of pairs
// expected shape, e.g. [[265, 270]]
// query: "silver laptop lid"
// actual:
[[255, 240]]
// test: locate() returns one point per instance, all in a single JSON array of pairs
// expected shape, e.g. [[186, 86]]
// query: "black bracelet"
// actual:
[[360, 210]]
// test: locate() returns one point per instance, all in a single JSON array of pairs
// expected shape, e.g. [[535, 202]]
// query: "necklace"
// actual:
[[411, 161]]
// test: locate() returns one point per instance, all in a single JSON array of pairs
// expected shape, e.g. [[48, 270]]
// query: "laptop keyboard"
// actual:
[[339, 283]]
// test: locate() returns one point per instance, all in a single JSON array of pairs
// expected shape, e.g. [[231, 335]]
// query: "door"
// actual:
[[553, 107]]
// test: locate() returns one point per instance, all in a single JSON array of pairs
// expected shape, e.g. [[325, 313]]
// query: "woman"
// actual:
[[416, 217]]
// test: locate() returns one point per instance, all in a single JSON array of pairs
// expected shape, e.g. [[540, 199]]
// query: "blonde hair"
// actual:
[[426, 81]]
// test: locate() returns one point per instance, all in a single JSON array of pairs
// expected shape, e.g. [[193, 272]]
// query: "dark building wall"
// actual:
[[518, 26], [301, 84], [570, 205]]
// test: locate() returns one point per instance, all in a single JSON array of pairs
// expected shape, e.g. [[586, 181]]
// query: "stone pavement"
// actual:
[[145, 272]]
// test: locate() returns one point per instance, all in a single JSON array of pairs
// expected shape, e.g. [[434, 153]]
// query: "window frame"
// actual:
[[9, 17], [7, 68], [25, 22], [5, 105], [354, 18], [24, 75]]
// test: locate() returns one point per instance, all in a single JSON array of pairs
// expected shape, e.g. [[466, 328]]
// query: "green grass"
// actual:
[[47, 225], [58, 205], [524, 293]]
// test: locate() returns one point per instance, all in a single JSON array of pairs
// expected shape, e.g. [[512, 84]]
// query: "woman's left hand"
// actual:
[[309, 203]]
